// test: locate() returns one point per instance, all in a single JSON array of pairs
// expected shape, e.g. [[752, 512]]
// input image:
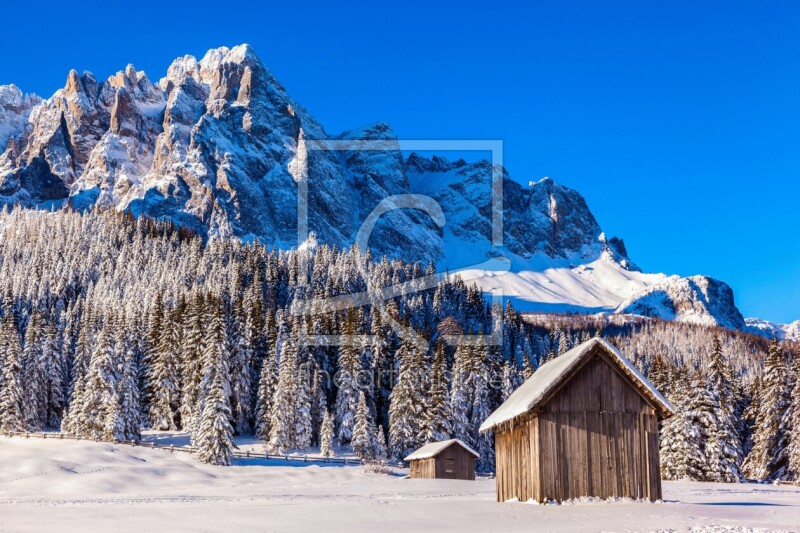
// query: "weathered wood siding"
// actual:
[[516, 461], [596, 436], [463, 465], [423, 468]]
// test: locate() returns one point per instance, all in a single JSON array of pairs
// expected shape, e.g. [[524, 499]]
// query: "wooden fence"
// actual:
[[172, 448]]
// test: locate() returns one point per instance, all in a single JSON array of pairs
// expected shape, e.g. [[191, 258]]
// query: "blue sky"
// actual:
[[678, 121]]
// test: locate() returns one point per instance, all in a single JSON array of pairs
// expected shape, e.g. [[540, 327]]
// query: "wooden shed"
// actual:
[[448, 459], [584, 424]]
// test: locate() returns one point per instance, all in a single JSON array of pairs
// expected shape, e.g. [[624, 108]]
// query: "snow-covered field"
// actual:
[[49, 485]]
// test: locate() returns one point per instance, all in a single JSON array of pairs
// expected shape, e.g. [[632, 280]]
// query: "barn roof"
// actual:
[[553, 373], [435, 448]]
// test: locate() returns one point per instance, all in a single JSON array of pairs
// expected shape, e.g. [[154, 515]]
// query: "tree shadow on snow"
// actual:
[[746, 504], [260, 461]]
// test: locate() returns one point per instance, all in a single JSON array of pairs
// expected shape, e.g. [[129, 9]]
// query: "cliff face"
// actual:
[[219, 146]]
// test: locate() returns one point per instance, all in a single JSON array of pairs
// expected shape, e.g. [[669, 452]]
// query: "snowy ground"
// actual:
[[49, 485]]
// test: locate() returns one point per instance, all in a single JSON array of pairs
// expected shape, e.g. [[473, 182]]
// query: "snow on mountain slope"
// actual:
[[219, 146], [560, 260], [696, 299], [769, 329]]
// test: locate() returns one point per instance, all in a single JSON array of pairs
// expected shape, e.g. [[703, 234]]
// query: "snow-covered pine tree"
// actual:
[[382, 450], [481, 409], [302, 399], [406, 403], [267, 385], [12, 391], [213, 436], [99, 396], [680, 453], [794, 422], [437, 423], [658, 374], [283, 419], [364, 441], [723, 445], [347, 382], [462, 392], [512, 379], [769, 459], [33, 375], [80, 368], [192, 358], [156, 319], [241, 354], [164, 376], [319, 402], [52, 349], [326, 436], [128, 408]]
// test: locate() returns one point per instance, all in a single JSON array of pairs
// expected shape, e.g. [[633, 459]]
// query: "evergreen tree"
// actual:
[[267, 385], [438, 425], [214, 433], [481, 409], [364, 442], [326, 436], [241, 355], [406, 403], [680, 453], [34, 375], [347, 382], [164, 378], [12, 393], [512, 379], [128, 409], [462, 393], [302, 401], [54, 377], [283, 420], [723, 446], [192, 360], [382, 450], [99, 397], [769, 459], [794, 423]]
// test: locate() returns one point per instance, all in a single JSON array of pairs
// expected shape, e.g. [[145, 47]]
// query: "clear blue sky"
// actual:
[[679, 121]]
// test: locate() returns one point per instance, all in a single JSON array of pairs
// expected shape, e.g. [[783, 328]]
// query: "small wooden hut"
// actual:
[[584, 424], [448, 459]]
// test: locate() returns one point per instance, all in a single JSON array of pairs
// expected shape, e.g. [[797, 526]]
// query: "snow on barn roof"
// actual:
[[550, 376], [435, 448]]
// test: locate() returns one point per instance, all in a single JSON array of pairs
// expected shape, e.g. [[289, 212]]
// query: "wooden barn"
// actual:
[[448, 459], [584, 424]]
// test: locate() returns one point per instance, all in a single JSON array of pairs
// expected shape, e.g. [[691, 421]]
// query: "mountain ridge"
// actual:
[[218, 145]]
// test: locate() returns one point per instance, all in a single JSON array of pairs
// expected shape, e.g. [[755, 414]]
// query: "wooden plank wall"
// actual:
[[464, 463], [434, 467], [423, 468], [597, 436], [516, 461]]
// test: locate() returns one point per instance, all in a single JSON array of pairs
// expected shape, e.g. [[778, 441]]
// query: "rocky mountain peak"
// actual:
[[218, 146]]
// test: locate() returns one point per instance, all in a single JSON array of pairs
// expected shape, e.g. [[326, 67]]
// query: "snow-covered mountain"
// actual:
[[773, 330], [219, 146]]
